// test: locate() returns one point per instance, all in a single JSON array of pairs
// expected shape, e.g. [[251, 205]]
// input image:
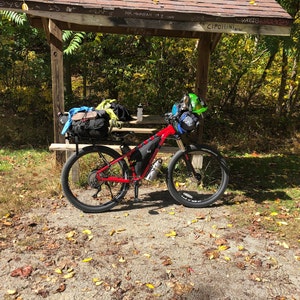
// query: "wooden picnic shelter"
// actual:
[[205, 20]]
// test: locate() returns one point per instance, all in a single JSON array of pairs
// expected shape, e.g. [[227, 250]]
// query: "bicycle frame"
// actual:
[[163, 134]]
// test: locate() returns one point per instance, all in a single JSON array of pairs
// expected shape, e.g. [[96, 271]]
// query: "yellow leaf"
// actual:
[[69, 275], [147, 255], [214, 235], [120, 230], [70, 234], [86, 231], [11, 292], [241, 247], [280, 223], [122, 259], [58, 271], [88, 259], [229, 225], [227, 258], [97, 281], [149, 285], [297, 258], [273, 213], [24, 6], [223, 247], [171, 234], [126, 214], [171, 212], [112, 232]]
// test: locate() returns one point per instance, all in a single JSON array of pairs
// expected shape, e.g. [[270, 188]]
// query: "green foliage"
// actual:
[[248, 74], [134, 69], [73, 41], [19, 19]]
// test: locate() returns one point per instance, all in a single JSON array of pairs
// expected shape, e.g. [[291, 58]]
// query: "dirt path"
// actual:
[[150, 250]]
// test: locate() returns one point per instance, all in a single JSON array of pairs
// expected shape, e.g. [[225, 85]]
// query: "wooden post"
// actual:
[[56, 48], [207, 43], [203, 64]]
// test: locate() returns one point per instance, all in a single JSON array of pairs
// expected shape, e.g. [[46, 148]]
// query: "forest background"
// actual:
[[253, 92]]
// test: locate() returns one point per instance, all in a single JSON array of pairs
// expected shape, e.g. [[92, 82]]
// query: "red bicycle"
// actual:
[[96, 178]]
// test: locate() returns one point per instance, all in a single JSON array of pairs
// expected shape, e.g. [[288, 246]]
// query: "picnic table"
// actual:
[[136, 126]]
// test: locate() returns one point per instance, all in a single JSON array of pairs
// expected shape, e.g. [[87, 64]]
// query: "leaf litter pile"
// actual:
[[154, 249]]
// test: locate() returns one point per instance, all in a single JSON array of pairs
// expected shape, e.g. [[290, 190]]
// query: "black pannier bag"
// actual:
[[141, 157], [121, 112], [91, 126]]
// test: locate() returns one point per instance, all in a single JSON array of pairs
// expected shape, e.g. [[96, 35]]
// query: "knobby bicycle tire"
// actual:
[[203, 183], [79, 183]]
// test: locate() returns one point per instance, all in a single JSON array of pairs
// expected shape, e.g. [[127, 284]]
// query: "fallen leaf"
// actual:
[[58, 271], [88, 259], [97, 281], [69, 275], [11, 292], [172, 233], [280, 223], [255, 277], [150, 285], [221, 241], [70, 234], [166, 261], [61, 288], [241, 265], [223, 247], [23, 272], [212, 253], [86, 231]]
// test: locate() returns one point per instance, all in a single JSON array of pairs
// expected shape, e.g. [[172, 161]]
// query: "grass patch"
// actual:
[[26, 177], [264, 190]]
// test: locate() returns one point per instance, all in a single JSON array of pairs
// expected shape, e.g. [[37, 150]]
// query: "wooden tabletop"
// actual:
[[149, 120]]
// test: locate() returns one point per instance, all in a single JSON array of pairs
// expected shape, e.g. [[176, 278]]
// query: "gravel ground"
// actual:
[[153, 249]]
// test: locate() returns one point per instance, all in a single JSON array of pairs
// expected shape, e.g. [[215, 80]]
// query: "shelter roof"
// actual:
[[161, 17]]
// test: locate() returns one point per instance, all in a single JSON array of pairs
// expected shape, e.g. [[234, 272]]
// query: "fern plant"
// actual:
[[73, 40], [18, 18]]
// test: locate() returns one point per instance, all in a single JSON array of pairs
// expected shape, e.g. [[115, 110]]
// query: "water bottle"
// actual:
[[139, 115], [154, 170]]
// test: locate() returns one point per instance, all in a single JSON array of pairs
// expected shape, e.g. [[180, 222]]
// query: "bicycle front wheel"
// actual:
[[80, 185], [197, 177]]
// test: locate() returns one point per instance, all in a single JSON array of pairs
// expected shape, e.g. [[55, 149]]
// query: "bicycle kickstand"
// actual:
[[136, 191]]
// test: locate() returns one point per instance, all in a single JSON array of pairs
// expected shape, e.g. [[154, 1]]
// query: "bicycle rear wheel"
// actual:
[[80, 185], [197, 177]]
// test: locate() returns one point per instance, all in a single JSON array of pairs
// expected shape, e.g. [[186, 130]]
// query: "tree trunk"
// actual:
[[282, 89], [262, 78]]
